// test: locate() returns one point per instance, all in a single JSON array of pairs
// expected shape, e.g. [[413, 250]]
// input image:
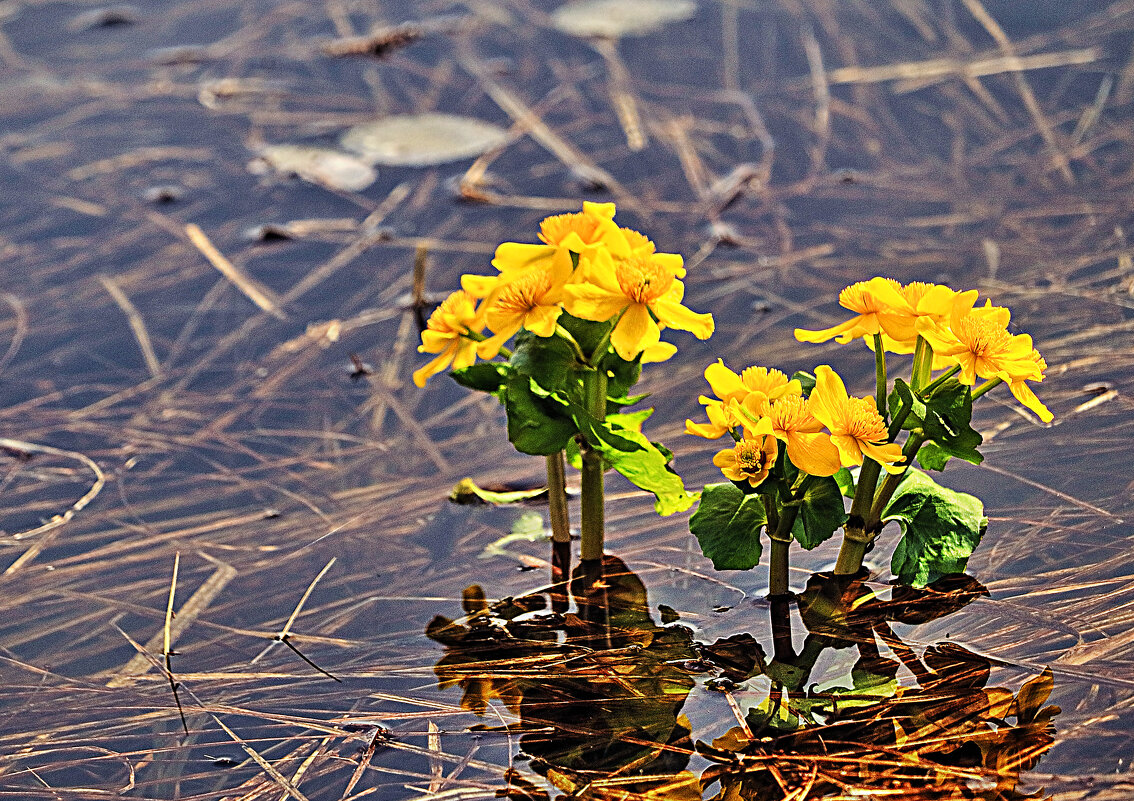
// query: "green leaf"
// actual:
[[634, 456], [484, 377], [845, 480], [932, 456], [821, 510], [940, 529], [949, 412], [727, 526], [945, 418], [538, 423], [550, 361], [805, 379]]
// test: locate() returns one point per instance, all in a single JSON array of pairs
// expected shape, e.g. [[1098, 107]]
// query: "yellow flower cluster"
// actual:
[[975, 338], [821, 433], [587, 266]]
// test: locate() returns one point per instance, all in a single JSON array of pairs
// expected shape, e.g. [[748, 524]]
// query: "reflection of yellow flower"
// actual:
[[444, 334], [751, 458], [856, 428], [645, 291], [808, 447], [529, 301], [869, 299]]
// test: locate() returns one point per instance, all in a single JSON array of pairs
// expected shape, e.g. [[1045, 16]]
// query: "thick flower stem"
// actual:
[[886, 492], [881, 390], [778, 567], [855, 537], [560, 531], [922, 364], [594, 386]]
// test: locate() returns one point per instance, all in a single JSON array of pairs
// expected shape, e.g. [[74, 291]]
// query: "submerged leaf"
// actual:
[[317, 165], [422, 140], [614, 18], [468, 491]]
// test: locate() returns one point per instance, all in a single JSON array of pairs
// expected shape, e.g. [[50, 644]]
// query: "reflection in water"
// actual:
[[599, 694]]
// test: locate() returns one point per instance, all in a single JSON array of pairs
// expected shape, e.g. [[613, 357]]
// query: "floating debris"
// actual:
[[163, 193], [327, 168], [614, 18], [422, 140], [106, 17], [384, 39]]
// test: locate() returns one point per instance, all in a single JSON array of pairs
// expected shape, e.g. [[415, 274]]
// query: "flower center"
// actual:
[[642, 280], [791, 413], [857, 297], [553, 230], [982, 335], [863, 421], [455, 314], [750, 457], [524, 293], [761, 379]]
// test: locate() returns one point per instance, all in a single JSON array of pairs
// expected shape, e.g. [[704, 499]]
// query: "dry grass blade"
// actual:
[[137, 324], [285, 633], [252, 289]]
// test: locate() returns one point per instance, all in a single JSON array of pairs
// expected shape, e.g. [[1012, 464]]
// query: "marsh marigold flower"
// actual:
[[857, 429], [444, 334], [582, 233], [529, 301], [933, 302], [870, 300], [808, 447], [641, 290], [760, 383], [751, 458]]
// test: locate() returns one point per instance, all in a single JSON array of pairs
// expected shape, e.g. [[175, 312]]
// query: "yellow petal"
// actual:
[[434, 367], [635, 332], [542, 320], [605, 210], [813, 453], [663, 351], [815, 337], [829, 398], [886, 454], [684, 319], [591, 302], [1028, 398], [517, 256], [725, 383]]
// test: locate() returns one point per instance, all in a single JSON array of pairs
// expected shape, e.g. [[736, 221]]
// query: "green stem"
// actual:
[[778, 566], [591, 502], [880, 375], [604, 343], [779, 531], [886, 492], [941, 379], [557, 498], [922, 363], [991, 383], [855, 538], [563, 332]]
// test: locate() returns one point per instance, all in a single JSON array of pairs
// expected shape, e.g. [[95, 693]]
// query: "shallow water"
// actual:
[[776, 158]]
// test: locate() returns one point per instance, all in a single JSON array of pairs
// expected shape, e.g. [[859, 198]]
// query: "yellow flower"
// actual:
[[445, 334], [644, 291], [857, 429], [870, 299], [582, 233], [808, 447], [1016, 379], [529, 301], [934, 302], [758, 383], [720, 420], [980, 343], [751, 458]]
